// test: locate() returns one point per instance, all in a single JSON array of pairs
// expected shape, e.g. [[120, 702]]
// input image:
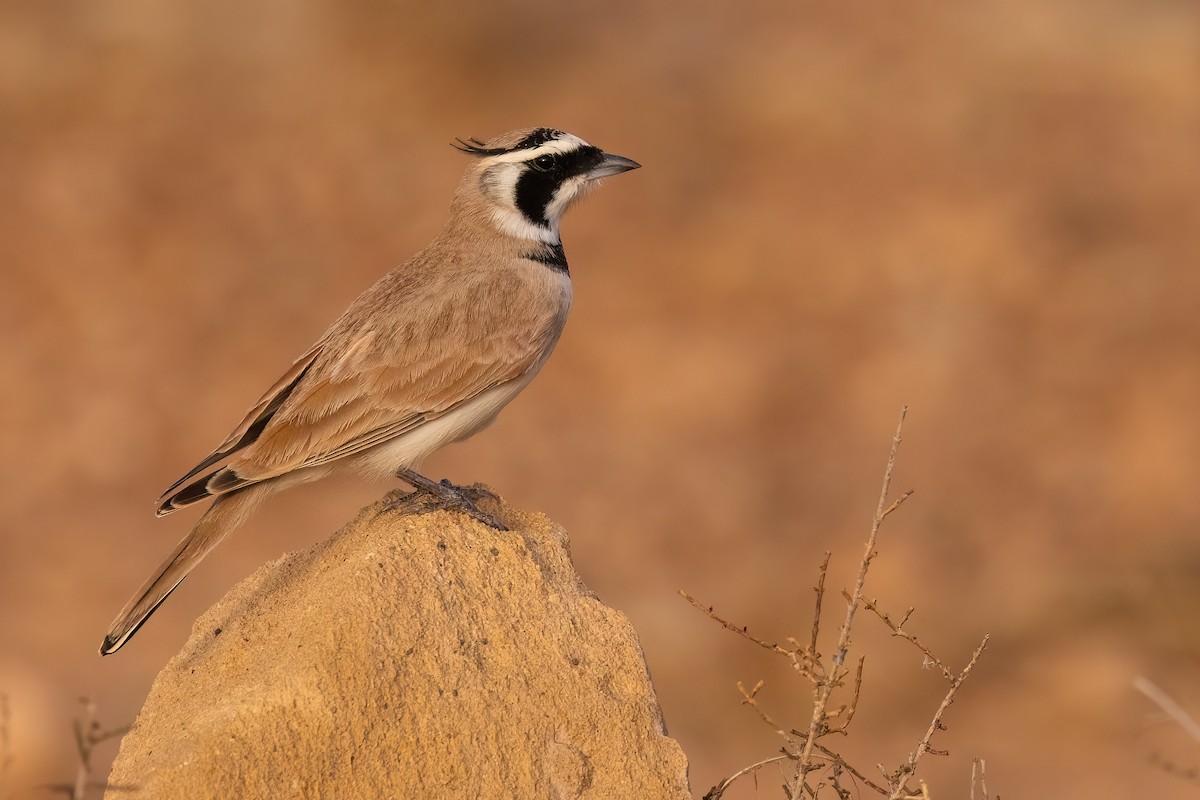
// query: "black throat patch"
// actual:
[[552, 255]]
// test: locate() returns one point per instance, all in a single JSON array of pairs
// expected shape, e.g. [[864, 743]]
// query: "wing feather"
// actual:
[[251, 426], [400, 357]]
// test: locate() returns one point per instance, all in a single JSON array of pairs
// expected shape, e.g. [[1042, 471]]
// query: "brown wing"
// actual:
[[368, 384], [376, 405]]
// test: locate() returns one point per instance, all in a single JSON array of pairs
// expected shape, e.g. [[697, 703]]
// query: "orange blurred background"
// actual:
[[987, 211]]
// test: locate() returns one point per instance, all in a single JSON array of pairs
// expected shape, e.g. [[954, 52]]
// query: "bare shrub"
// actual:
[[812, 767]]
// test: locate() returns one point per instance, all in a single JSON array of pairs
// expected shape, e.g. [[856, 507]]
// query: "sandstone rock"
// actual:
[[409, 656]]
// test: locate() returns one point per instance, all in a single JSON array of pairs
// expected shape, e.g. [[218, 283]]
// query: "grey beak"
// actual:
[[611, 165]]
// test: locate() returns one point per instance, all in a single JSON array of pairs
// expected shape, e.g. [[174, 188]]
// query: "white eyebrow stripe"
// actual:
[[563, 144]]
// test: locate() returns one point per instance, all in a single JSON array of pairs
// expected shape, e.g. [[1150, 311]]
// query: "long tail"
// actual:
[[225, 514]]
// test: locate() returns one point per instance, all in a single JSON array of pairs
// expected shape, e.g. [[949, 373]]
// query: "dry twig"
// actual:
[[743, 631], [899, 776], [88, 734], [818, 723], [979, 778], [819, 589], [1180, 716], [898, 630], [717, 791], [6, 758], [1168, 705], [828, 675]]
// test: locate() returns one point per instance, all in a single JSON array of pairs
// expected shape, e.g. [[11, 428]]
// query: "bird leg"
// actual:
[[445, 495]]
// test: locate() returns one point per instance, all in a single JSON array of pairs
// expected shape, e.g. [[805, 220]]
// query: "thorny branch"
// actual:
[[898, 777], [898, 630], [828, 675], [820, 592], [743, 631], [819, 721]]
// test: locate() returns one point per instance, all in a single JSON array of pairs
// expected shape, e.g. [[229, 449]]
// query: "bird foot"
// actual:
[[433, 495]]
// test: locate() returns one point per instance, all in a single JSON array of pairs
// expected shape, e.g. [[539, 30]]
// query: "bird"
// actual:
[[426, 356]]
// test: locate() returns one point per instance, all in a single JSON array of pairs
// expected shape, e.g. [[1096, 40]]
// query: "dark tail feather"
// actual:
[[225, 514], [218, 482]]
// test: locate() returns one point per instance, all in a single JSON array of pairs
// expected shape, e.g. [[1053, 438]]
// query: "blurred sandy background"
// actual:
[[989, 211]]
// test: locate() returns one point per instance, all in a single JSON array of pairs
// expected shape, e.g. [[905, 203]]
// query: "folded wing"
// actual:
[[363, 385]]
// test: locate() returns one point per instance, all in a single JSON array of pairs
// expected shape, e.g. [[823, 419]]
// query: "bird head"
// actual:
[[529, 178]]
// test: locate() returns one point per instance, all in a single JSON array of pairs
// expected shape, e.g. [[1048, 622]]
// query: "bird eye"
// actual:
[[543, 163]]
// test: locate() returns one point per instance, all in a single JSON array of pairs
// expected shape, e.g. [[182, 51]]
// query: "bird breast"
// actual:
[[535, 301]]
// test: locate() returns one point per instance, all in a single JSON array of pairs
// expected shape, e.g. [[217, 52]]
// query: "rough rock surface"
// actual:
[[409, 656]]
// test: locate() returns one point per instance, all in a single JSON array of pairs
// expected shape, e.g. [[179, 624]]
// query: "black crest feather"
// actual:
[[536, 138], [474, 147]]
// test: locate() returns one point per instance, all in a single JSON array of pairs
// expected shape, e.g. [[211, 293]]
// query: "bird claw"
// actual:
[[443, 495]]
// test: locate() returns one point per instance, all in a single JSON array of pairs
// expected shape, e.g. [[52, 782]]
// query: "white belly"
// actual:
[[413, 447]]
